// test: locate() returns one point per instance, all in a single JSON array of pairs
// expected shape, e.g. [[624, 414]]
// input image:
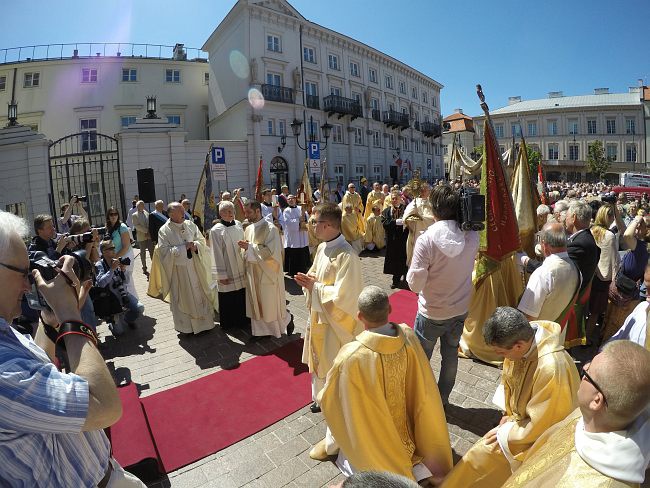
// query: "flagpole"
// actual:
[[486, 110]]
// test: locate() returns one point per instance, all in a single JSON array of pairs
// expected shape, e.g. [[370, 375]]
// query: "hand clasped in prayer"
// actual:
[[305, 280]]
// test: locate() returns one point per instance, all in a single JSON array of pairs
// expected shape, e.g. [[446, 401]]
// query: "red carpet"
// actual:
[[204, 416], [405, 307]]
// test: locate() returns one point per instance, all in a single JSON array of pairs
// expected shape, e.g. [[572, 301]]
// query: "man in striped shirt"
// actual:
[[51, 422]]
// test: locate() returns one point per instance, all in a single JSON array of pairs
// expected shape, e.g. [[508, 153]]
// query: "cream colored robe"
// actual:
[[382, 405], [540, 391], [186, 281], [375, 232], [418, 216], [265, 295], [354, 199], [332, 304], [228, 258], [374, 198], [351, 231]]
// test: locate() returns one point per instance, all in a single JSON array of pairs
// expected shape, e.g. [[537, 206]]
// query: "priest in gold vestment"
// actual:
[[185, 267], [375, 197], [350, 228], [381, 401], [604, 442], [418, 216], [331, 286], [353, 198], [540, 383], [375, 236]]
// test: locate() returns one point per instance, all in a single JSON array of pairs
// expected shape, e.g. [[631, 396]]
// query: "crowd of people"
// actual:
[[371, 378]]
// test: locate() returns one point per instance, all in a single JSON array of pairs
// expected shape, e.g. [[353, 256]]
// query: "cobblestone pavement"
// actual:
[[154, 357]]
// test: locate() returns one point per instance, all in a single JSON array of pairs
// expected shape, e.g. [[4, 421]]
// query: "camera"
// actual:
[[82, 198], [471, 210], [124, 261], [609, 198], [49, 269], [84, 238]]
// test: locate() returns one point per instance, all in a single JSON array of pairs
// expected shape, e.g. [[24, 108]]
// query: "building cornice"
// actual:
[[95, 108]]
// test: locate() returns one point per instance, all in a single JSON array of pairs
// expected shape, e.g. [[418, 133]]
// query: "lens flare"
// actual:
[[256, 99], [239, 64]]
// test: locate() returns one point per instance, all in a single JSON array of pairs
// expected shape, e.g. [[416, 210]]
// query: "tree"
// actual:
[[534, 158], [597, 162]]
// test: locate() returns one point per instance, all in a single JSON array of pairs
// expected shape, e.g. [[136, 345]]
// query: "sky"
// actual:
[[512, 48]]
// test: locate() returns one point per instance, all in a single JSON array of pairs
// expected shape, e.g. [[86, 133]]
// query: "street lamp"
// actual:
[[283, 142], [12, 113], [151, 108], [296, 127]]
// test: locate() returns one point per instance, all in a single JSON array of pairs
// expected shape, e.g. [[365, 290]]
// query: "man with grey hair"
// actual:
[[140, 220], [539, 385], [52, 422], [543, 211], [380, 384], [552, 287], [157, 219], [559, 207]]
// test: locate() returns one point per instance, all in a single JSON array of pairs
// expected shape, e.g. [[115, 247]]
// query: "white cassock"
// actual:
[[265, 295], [186, 281], [267, 212], [293, 236]]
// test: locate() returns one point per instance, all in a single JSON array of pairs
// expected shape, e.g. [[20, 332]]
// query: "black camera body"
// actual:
[[471, 210], [82, 198], [609, 198], [124, 261]]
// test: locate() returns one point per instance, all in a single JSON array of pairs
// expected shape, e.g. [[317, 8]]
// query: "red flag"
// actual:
[[258, 182], [540, 184]]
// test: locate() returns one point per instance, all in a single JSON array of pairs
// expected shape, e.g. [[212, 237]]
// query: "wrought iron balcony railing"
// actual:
[[431, 129], [312, 101], [335, 104], [276, 93], [376, 115], [394, 119]]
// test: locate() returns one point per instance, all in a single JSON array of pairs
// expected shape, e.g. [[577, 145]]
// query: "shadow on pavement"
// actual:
[[133, 342], [476, 420]]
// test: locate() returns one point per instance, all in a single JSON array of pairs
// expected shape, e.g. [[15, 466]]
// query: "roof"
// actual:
[[456, 116], [580, 101]]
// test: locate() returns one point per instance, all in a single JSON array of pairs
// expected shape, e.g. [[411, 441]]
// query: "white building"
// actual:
[[265, 53], [561, 128]]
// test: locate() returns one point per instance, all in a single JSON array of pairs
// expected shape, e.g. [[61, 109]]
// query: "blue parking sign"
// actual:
[[218, 155], [314, 150]]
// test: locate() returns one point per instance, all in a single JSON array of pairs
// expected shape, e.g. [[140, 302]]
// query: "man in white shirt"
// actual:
[[296, 240]]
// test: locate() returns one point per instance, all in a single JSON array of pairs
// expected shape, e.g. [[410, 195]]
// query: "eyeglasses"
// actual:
[[585, 375], [113, 214], [109, 248], [22, 271]]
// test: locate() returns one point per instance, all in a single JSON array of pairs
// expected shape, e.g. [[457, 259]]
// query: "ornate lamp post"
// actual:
[[12, 113], [296, 127]]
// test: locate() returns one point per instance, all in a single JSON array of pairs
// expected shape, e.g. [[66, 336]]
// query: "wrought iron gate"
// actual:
[[87, 164]]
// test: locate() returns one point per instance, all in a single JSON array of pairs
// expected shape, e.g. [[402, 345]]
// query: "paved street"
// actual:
[[156, 359]]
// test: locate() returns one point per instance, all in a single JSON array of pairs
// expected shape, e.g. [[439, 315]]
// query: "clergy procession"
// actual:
[[543, 283]]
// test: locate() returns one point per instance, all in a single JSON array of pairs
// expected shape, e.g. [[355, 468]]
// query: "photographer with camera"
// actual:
[[441, 273], [46, 239], [110, 272], [71, 212], [51, 423]]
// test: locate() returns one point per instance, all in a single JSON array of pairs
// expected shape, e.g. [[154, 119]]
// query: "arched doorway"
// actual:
[[279, 172]]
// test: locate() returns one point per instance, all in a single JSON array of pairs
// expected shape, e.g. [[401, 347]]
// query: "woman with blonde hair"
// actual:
[[607, 264]]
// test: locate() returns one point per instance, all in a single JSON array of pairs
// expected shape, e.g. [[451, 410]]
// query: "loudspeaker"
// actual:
[[146, 185]]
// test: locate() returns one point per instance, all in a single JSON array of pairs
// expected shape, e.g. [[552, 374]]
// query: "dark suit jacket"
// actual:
[[583, 251], [155, 223]]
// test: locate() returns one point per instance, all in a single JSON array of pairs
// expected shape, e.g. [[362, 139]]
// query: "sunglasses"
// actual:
[[585, 375], [22, 271]]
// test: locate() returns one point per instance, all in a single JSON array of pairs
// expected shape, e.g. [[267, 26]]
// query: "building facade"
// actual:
[[271, 66], [562, 128], [460, 127]]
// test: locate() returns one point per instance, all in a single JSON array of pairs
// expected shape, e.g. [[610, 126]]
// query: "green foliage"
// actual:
[[534, 158], [597, 162]]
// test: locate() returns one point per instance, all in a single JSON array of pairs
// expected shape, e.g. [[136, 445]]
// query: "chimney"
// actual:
[[513, 100], [555, 94], [179, 53], [601, 91], [458, 110], [640, 81], [634, 89]]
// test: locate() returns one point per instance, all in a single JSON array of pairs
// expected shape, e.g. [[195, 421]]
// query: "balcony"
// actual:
[[275, 93], [376, 115], [416, 125], [394, 119], [431, 129], [312, 101], [335, 104]]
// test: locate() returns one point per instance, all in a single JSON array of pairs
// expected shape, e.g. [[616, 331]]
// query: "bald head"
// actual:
[[553, 237], [176, 212]]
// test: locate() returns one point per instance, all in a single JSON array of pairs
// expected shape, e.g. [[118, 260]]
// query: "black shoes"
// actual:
[[315, 408], [290, 327]]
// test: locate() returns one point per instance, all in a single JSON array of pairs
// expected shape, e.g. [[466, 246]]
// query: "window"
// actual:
[[445, 150], [19, 209], [270, 127], [610, 126], [425, 97], [391, 141], [376, 171], [358, 135], [376, 138], [89, 75], [357, 97], [206, 78], [402, 87], [434, 101], [337, 133], [372, 75], [425, 147], [612, 152], [515, 129], [498, 130], [374, 104], [532, 129], [553, 151], [405, 143], [391, 106], [591, 126], [502, 149], [273, 43], [333, 61], [3, 83], [339, 173], [31, 80], [436, 149], [414, 93], [552, 127], [174, 119], [88, 134], [282, 128], [574, 152], [360, 170], [129, 74], [312, 130], [388, 81], [630, 125], [173, 75], [335, 90], [354, 69], [573, 126], [127, 120], [311, 89], [273, 79], [630, 153], [416, 146], [308, 54]]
